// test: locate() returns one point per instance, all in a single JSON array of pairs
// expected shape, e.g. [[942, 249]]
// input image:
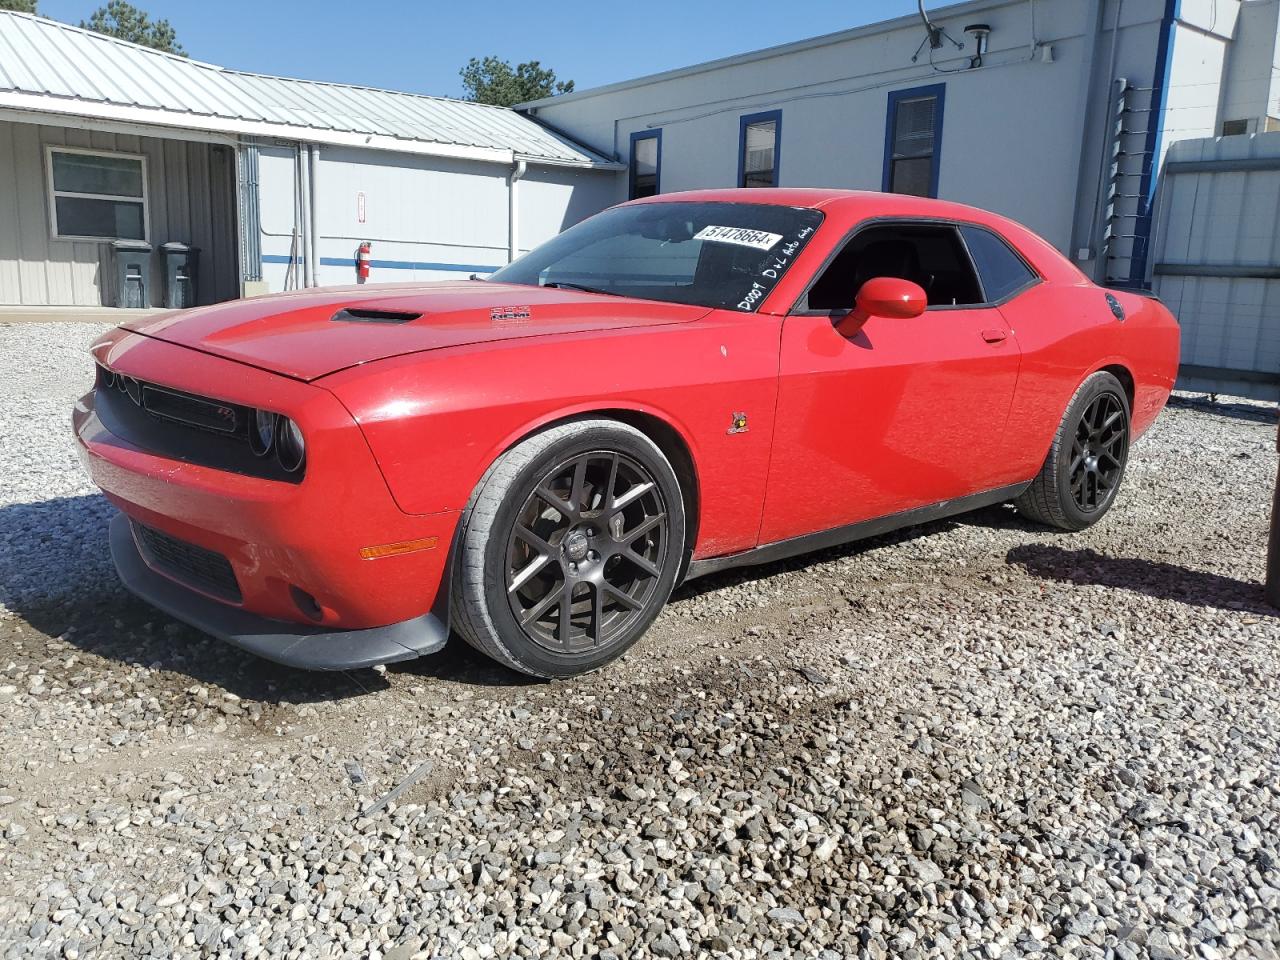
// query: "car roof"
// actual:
[[854, 202]]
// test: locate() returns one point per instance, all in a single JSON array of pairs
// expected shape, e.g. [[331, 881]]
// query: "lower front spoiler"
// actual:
[[292, 644]]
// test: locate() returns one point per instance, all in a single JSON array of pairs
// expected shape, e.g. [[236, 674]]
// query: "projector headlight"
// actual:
[[262, 432], [291, 449]]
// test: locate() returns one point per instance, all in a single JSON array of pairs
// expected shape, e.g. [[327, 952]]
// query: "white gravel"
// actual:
[[975, 738]]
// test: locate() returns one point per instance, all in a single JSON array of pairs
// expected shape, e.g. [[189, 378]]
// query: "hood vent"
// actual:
[[361, 315]]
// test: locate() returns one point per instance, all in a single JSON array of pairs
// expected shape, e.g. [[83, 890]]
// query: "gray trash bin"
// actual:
[[133, 271], [180, 263]]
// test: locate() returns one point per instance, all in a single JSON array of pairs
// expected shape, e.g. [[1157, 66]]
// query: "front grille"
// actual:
[[205, 570], [184, 426]]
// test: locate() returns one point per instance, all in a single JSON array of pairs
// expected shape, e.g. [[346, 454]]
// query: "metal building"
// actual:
[[276, 181]]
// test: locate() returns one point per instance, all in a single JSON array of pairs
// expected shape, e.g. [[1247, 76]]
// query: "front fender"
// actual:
[[436, 421]]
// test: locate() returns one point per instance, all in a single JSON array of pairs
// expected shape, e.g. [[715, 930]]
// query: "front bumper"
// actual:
[[278, 538], [292, 644]]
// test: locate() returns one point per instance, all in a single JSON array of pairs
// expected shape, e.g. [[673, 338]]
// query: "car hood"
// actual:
[[310, 334]]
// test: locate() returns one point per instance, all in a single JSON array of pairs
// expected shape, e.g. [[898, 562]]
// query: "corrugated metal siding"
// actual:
[[1224, 220], [43, 57], [190, 193]]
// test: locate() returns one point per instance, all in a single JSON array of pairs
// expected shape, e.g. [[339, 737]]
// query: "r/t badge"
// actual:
[[739, 423]]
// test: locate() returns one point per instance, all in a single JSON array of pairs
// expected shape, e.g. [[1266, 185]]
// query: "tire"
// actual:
[[1081, 475], [592, 506]]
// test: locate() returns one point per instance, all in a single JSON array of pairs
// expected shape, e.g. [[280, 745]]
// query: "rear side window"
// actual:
[[1003, 272]]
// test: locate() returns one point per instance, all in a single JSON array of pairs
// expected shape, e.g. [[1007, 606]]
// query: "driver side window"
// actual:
[[926, 254]]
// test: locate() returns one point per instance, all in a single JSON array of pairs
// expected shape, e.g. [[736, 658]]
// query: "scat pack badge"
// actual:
[[509, 314], [739, 424]]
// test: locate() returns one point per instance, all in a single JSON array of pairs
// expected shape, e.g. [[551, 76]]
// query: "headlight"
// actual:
[[262, 432], [290, 448]]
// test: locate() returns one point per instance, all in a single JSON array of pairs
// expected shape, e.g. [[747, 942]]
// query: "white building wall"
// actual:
[[1253, 65], [1021, 136], [426, 218]]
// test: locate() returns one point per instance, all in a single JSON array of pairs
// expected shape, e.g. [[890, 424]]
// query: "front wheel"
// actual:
[[1081, 476], [570, 546]]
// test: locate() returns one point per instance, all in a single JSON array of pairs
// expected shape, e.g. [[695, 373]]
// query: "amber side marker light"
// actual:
[[395, 549]]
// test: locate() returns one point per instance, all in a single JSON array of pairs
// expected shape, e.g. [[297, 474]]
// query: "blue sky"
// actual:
[[419, 46]]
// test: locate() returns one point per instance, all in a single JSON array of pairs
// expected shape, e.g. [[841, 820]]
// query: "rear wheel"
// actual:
[[570, 547], [1081, 476]]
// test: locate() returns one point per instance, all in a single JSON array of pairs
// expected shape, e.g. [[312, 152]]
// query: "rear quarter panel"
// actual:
[[436, 421], [1066, 333]]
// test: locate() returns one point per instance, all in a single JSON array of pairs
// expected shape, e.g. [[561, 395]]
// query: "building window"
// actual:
[[913, 141], [1235, 128], [646, 164], [759, 136], [97, 196]]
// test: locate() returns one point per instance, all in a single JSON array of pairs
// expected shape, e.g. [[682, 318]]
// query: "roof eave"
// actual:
[[63, 107]]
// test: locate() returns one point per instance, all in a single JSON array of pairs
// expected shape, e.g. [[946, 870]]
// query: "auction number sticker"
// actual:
[[741, 236]]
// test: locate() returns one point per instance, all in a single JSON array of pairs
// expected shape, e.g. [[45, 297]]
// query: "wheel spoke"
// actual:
[[535, 541], [542, 606], [577, 495], [597, 614], [534, 567], [613, 483], [628, 601], [644, 527], [641, 562], [566, 611], [556, 502], [635, 493]]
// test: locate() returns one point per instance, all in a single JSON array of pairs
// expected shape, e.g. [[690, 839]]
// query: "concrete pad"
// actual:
[[17, 314]]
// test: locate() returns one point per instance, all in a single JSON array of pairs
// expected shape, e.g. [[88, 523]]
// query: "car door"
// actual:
[[907, 412]]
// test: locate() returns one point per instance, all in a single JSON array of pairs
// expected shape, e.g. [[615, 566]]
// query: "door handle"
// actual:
[[994, 336]]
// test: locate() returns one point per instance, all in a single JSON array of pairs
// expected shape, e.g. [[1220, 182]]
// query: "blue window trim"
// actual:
[[938, 90], [655, 134], [1141, 251], [746, 121]]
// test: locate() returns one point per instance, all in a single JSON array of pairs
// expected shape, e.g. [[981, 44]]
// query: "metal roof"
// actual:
[[48, 66]]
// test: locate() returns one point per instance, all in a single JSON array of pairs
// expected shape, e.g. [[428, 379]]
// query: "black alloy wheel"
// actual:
[[1098, 453], [568, 548], [1081, 476], [586, 551]]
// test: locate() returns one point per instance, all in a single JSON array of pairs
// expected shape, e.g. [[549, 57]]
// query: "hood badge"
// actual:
[[739, 424], [509, 314]]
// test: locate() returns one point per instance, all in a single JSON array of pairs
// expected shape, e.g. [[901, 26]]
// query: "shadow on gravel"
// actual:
[[1165, 581], [56, 575], [1259, 413]]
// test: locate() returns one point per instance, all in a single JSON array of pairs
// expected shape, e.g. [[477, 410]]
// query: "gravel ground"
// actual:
[[974, 738]]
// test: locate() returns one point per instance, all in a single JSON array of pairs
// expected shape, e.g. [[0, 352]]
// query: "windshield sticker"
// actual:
[[772, 269], [741, 236]]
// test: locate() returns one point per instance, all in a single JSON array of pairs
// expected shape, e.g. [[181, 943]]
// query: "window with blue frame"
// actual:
[[759, 139], [913, 141], [646, 164]]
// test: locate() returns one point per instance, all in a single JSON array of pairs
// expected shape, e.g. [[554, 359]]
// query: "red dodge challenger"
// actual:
[[337, 478]]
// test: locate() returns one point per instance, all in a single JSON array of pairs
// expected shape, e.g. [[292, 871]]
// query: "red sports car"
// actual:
[[336, 478]]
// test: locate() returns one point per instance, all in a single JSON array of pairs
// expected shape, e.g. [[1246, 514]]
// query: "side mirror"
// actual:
[[888, 297]]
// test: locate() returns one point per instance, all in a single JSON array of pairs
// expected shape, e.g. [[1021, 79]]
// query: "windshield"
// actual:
[[728, 255]]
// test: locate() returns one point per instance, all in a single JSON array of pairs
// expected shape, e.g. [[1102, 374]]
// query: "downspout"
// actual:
[[1081, 239], [513, 214], [313, 159], [1139, 267], [1104, 153]]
